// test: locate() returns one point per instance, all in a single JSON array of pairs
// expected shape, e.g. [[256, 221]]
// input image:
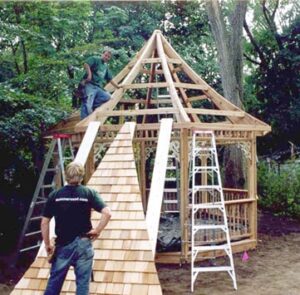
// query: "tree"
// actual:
[[228, 36], [272, 54]]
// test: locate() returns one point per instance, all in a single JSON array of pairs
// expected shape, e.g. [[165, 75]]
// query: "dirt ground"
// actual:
[[272, 269]]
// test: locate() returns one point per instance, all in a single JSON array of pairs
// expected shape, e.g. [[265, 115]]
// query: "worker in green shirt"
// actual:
[[97, 75]]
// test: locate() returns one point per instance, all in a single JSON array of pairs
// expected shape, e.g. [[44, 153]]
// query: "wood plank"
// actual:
[[158, 180], [146, 85], [87, 143], [137, 112], [182, 116], [191, 86], [215, 112]]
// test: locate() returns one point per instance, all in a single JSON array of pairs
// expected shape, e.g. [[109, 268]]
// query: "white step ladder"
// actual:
[[208, 214], [52, 176]]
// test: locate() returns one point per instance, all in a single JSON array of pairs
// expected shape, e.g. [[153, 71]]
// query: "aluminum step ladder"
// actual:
[[52, 176], [209, 226]]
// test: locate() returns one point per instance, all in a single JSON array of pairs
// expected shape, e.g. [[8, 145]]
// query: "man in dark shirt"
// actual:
[[71, 208], [97, 74]]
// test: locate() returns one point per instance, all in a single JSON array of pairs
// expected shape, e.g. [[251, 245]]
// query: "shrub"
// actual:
[[279, 191]]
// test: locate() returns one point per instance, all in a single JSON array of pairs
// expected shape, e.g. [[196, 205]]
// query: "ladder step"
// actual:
[[206, 168], [35, 218], [164, 96], [207, 187], [212, 248], [40, 202], [170, 202], [30, 248], [204, 149], [208, 206], [47, 186], [212, 268], [170, 190], [170, 179], [33, 233], [210, 226], [52, 169], [171, 168]]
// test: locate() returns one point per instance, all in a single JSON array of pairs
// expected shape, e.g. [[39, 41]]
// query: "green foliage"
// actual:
[[279, 192], [273, 84]]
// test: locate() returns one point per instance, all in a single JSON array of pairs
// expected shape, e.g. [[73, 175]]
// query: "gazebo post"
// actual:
[[184, 186], [252, 188]]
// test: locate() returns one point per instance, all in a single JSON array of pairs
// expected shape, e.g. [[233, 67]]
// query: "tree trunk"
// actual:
[[229, 46]]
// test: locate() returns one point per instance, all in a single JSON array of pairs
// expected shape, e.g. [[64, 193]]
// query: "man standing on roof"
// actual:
[[71, 208], [97, 73]]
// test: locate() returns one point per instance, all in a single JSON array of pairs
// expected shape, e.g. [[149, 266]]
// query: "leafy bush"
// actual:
[[279, 191]]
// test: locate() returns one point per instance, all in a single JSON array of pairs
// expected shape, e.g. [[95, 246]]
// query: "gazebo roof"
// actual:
[[159, 83]]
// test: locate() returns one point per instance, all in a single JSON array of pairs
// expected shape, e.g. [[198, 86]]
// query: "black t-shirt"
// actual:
[[71, 208]]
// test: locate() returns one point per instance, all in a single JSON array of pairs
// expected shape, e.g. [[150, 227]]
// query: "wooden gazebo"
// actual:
[[156, 84], [167, 100]]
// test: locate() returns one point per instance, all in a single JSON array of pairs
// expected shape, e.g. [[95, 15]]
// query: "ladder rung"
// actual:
[[212, 248], [208, 206], [171, 168], [212, 268], [170, 202], [47, 186], [204, 149], [170, 190], [210, 226], [33, 233], [40, 202], [207, 187], [206, 168], [163, 96], [170, 179], [30, 248], [35, 218]]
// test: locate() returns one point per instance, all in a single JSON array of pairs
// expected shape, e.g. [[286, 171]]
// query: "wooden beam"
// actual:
[[144, 101], [214, 112], [158, 180], [182, 116], [191, 86], [175, 61], [183, 94], [198, 97], [218, 100], [152, 60], [87, 142], [184, 186], [137, 112], [146, 85]]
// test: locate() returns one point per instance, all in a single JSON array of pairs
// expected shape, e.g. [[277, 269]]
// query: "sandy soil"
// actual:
[[272, 269]]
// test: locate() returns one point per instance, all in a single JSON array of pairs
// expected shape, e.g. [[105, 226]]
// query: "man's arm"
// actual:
[[105, 217], [88, 71], [45, 225]]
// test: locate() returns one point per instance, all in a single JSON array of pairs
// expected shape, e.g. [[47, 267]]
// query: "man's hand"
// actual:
[[49, 249], [93, 234]]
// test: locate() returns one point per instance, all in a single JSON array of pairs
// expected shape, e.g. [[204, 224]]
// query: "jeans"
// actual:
[[94, 98], [78, 254]]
